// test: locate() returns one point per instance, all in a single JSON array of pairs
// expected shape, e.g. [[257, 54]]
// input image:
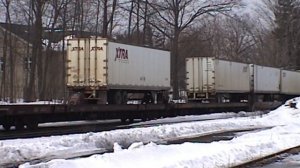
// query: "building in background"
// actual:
[[16, 62]]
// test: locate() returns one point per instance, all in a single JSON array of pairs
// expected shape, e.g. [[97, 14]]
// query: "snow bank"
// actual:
[[285, 134], [24, 149], [192, 155]]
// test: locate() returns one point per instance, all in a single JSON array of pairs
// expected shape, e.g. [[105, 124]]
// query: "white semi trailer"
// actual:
[[213, 79], [103, 71], [290, 81], [221, 80]]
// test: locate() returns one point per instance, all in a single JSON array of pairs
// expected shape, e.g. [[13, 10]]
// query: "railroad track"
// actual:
[[52, 130], [258, 162], [58, 155]]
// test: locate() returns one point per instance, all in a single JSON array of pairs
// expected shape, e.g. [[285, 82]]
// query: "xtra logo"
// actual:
[[121, 54], [77, 49], [96, 48]]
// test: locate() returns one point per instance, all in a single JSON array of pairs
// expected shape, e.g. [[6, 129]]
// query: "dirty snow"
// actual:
[[141, 147]]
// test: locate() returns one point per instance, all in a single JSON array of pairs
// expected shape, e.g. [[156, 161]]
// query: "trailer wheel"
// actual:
[[148, 98], [162, 97], [76, 98], [124, 97], [117, 98]]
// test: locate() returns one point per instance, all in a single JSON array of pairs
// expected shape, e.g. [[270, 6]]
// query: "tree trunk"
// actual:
[[130, 20], [145, 23], [111, 20], [105, 23], [138, 21], [174, 66], [97, 17]]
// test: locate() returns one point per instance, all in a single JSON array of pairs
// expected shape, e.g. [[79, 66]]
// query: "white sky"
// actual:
[[145, 151], [257, 12]]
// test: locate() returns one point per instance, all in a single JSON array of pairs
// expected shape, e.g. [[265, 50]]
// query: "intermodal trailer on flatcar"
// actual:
[[290, 82], [108, 71], [210, 78], [265, 79]]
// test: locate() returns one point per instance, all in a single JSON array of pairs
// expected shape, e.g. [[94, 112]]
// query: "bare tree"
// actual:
[[54, 13], [197, 41], [130, 19], [287, 33], [138, 30], [37, 55], [173, 17], [108, 18], [98, 2]]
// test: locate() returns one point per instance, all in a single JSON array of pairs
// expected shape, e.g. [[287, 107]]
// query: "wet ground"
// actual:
[[214, 137], [288, 161]]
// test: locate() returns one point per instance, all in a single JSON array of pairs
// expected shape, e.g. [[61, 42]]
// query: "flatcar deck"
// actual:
[[31, 115]]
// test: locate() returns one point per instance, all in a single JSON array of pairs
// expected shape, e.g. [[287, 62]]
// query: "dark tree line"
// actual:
[[287, 33]]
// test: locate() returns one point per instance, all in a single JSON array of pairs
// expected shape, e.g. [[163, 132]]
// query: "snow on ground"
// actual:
[[139, 147], [18, 150]]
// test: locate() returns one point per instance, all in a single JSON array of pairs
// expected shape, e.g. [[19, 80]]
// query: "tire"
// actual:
[[117, 97], [76, 99], [148, 98], [124, 97]]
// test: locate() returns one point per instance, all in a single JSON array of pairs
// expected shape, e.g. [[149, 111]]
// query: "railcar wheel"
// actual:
[[123, 120], [7, 126], [144, 117], [32, 125], [20, 126]]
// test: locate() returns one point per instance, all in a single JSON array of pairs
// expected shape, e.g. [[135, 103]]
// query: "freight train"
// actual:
[[105, 72], [103, 76], [211, 79]]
